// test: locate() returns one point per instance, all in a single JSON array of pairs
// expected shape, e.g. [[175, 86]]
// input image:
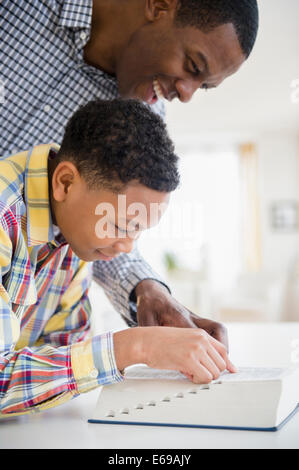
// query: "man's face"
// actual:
[[180, 59], [101, 224]]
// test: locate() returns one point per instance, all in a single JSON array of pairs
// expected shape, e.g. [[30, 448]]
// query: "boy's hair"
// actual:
[[208, 14], [117, 141]]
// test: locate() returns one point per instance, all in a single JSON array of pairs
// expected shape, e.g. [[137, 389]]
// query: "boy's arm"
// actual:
[[92, 360], [53, 371]]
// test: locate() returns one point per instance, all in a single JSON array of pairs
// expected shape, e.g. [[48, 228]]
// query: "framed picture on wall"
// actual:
[[284, 216]]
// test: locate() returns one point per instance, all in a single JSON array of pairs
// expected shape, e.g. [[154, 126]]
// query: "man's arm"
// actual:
[[142, 297], [120, 276]]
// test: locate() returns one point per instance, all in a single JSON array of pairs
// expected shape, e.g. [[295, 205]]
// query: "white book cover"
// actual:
[[252, 398]]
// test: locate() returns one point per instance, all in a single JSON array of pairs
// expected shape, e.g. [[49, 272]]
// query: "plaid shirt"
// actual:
[[44, 80], [45, 356]]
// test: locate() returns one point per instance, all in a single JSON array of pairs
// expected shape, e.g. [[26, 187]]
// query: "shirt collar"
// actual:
[[76, 14], [36, 191]]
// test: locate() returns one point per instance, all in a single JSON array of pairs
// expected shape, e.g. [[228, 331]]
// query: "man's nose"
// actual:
[[186, 89]]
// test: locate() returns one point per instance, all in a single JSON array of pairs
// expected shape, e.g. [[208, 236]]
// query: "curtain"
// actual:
[[250, 208]]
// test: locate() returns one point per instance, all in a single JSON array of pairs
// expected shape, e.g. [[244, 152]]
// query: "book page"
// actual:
[[144, 372], [243, 374]]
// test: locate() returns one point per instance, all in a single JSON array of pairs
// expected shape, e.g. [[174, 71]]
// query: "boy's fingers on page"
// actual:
[[189, 376], [231, 367], [210, 365], [201, 375], [221, 349], [216, 357]]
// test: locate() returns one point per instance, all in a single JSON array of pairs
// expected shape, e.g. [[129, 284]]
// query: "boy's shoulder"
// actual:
[[12, 170]]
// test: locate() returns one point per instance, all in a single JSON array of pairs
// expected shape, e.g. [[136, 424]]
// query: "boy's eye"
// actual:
[[120, 229]]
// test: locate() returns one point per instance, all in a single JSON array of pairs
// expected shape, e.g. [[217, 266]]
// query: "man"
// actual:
[[58, 54], [52, 223]]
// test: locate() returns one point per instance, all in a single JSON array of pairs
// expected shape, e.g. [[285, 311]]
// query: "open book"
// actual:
[[253, 398]]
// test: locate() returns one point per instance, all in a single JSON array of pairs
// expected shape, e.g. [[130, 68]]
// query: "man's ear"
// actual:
[[155, 9], [63, 178]]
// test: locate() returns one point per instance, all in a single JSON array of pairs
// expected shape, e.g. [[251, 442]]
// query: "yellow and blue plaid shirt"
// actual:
[[46, 357]]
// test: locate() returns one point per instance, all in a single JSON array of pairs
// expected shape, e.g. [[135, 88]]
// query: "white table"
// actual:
[[67, 427]]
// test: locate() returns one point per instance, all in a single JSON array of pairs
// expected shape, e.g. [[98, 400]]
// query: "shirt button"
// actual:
[[94, 373], [47, 108], [83, 36]]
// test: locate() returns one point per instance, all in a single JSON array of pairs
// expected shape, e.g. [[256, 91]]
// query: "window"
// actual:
[[200, 229]]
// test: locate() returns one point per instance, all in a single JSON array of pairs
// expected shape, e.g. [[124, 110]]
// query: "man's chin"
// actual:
[[131, 91]]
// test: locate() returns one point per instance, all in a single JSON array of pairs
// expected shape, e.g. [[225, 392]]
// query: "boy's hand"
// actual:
[[191, 351], [156, 306]]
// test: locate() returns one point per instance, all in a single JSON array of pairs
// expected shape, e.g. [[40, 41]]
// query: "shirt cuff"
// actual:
[[93, 363]]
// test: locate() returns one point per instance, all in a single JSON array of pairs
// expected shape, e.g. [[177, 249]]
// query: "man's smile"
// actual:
[[156, 92]]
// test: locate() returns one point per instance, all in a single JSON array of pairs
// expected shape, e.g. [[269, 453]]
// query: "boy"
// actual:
[[50, 202]]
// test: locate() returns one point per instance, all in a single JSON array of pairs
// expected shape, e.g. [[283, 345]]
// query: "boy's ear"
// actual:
[[155, 9], [63, 178]]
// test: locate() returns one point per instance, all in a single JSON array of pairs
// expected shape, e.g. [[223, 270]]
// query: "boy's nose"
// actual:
[[124, 246]]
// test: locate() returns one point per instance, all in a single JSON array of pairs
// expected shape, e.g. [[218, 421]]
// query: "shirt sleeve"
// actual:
[[62, 364], [119, 277]]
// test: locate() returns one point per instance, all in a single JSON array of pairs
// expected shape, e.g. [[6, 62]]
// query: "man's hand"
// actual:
[[157, 307]]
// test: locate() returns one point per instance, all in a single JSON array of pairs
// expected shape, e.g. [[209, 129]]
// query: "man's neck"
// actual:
[[113, 23]]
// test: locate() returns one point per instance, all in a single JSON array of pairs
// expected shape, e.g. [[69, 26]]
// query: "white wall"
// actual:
[[278, 173]]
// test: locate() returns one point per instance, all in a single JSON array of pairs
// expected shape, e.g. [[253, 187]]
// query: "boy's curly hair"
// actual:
[[117, 141]]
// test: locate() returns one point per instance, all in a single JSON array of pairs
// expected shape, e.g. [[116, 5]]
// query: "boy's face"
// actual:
[[99, 224]]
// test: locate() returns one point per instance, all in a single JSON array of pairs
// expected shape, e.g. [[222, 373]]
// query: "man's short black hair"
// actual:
[[117, 141], [208, 14]]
